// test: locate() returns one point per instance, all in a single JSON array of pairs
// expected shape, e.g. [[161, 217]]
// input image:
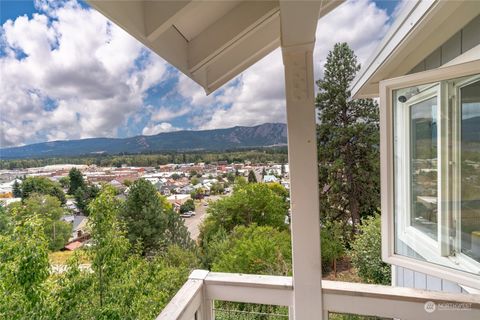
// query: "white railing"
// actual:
[[194, 301]]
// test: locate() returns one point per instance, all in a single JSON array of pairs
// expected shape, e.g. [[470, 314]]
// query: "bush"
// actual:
[[255, 250], [366, 253], [189, 205], [332, 243]]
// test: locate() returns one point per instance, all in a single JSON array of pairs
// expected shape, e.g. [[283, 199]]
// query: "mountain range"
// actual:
[[264, 135]]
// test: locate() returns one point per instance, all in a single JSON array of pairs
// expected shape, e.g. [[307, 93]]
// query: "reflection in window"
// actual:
[[423, 166], [470, 170]]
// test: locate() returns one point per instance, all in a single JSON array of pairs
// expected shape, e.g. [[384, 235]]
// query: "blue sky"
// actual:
[[69, 73]]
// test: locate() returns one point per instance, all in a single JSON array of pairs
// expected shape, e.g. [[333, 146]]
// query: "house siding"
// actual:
[[460, 42], [408, 278]]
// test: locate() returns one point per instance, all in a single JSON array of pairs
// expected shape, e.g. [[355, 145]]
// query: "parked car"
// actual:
[[186, 214]]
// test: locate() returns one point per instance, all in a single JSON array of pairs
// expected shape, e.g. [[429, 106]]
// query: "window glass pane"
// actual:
[[436, 150], [470, 170], [423, 166]]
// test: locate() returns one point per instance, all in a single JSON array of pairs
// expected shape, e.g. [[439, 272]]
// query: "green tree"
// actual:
[[252, 203], [279, 189], [176, 232], [333, 246], [127, 182], [366, 253], [24, 271], [348, 142], [49, 210], [17, 189], [251, 177], [42, 185], [5, 220], [231, 177], [65, 182], [148, 219], [194, 181], [189, 205], [76, 181], [217, 188], [110, 244], [240, 182], [123, 284], [83, 197], [255, 250]]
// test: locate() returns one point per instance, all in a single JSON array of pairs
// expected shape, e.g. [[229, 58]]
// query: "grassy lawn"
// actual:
[[61, 257]]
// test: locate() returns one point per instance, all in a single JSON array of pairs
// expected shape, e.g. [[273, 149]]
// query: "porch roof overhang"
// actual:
[[211, 42], [421, 28]]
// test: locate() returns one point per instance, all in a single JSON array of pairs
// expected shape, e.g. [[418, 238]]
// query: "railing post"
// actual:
[[205, 312]]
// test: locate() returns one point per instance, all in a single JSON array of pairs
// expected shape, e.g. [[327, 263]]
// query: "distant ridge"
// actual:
[[264, 135]]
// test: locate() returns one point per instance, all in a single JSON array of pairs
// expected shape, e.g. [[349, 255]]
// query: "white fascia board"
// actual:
[[239, 56], [405, 23], [246, 17]]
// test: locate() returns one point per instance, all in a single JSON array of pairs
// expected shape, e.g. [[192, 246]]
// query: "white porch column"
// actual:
[[302, 160], [298, 24]]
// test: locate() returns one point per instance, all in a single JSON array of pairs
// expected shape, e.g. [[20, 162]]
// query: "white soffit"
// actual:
[[422, 27], [209, 41]]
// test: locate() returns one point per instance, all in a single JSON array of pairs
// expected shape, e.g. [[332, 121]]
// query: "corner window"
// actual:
[[431, 173], [469, 169]]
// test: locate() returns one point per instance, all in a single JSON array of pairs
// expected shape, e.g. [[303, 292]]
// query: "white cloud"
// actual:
[[258, 96], [92, 72], [165, 114], [153, 129], [93, 77]]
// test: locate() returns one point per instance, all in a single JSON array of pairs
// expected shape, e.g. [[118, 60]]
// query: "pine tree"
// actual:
[[149, 220], [251, 177], [76, 181], [348, 142], [16, 190]]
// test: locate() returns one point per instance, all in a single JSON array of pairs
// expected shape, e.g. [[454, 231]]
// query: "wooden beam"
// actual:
[[244, 18]]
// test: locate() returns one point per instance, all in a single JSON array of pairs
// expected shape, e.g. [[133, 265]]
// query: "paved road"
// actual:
[[193, 223]]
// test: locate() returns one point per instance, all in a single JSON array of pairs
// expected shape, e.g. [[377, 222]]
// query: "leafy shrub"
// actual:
[[332, 243], [366, 253], [255, 250]]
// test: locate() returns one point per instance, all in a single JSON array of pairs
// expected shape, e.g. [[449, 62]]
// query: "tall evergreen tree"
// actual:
[[16, 189], [348, 142], [42, 185], [150, 221], [76, 180], [83, 197], [251, 177]]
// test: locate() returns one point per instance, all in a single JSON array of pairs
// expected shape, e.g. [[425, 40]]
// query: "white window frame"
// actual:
[[462, 258], [388, 175], [409, 234]]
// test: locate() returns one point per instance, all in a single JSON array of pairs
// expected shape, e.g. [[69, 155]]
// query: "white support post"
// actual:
[[302, 155], [205, 312]]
